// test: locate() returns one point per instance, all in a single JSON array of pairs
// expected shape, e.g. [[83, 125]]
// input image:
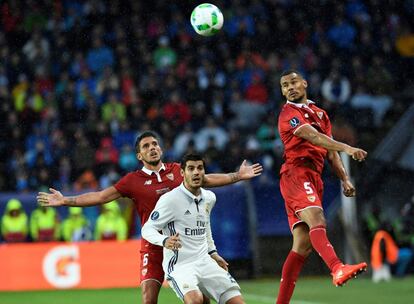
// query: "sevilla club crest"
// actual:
[[170, 176], [320, 115]]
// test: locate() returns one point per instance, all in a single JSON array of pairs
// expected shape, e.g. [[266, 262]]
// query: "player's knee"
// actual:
[[231, 296], [194, 301], [193, 298], [302, 245]]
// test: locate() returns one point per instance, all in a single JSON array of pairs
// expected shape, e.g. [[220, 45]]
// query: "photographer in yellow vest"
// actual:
[[76, 227], [14, 222], [110, 224], [44, 225]]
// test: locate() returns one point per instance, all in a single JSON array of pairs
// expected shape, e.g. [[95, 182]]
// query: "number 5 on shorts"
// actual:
[[307, 187]]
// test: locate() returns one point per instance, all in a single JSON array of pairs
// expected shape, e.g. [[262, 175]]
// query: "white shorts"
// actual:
[[204, 275]]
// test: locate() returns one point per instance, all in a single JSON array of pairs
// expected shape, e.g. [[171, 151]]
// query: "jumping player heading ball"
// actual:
[[305, 130]]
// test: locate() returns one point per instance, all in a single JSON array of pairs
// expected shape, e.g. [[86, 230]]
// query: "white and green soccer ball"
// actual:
[[207, 19]]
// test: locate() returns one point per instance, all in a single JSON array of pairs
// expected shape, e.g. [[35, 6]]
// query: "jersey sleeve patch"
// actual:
[[155, 215], [294, 122]]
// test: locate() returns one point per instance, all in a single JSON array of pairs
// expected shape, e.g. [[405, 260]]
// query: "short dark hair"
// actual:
[[291, 71], [191, 156], [144, 135]]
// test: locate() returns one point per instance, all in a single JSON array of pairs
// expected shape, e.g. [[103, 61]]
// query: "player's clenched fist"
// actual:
[[348, 188], [357, 154], [173, 242]]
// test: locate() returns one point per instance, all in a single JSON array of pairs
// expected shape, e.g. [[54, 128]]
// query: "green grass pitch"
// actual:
[[309, 290]]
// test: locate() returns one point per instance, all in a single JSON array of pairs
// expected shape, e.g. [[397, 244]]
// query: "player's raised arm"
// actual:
[[319, 139], [56, 198], [222, 179]]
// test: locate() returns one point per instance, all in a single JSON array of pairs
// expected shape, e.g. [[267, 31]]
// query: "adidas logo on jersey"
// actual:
[[187, 212], [148, 182]]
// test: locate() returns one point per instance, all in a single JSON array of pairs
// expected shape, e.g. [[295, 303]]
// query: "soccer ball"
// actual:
[[207, 19]]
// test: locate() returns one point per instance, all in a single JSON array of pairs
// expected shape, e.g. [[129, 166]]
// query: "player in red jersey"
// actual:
[[305, 131], [145, 187]]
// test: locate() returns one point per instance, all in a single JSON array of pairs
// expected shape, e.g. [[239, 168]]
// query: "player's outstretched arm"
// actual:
[[222, 179], [56, 198], [318, 139]]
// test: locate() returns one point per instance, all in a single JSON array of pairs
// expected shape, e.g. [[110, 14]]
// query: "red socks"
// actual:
[[290, 272], [322, 245], [294, 263]]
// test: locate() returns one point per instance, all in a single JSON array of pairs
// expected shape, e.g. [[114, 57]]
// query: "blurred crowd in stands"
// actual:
[[80, 79]]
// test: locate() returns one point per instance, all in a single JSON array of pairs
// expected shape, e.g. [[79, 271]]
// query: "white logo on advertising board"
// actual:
[[61, 267]]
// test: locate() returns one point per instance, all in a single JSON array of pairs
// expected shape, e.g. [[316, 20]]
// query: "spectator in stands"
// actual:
[[44, 225], [343, 131], [342, 34], [379, 79], [127, 159], [107, 82], [37, 50], [113, 110], [336, 88], [106, 153], [110, 224], [99, 57], [247, 115], [182, 140], [257, 92], [76, 227], [14, 222], [268, 135], [379, 105], [176, 110], [164, 55], [211, 130], [404, 45], [109, 177], [86, 181]]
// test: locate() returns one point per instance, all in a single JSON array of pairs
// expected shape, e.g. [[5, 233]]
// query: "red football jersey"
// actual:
[[291, 118], [145, 190]]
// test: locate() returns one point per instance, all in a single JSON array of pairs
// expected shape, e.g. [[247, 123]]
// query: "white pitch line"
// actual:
[[268, 299]]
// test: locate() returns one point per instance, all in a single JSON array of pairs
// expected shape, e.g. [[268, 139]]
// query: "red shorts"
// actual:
[[301, 188], [151, 265]]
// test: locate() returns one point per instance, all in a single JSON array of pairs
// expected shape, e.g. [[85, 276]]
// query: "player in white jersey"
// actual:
[[183, 216]]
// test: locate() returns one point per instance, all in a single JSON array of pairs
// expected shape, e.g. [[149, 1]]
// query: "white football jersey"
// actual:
[[180, 211]]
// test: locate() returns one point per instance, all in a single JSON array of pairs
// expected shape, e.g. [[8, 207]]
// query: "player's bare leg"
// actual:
[[313, 217], [194, 297], [301, 241], [149, 291]]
